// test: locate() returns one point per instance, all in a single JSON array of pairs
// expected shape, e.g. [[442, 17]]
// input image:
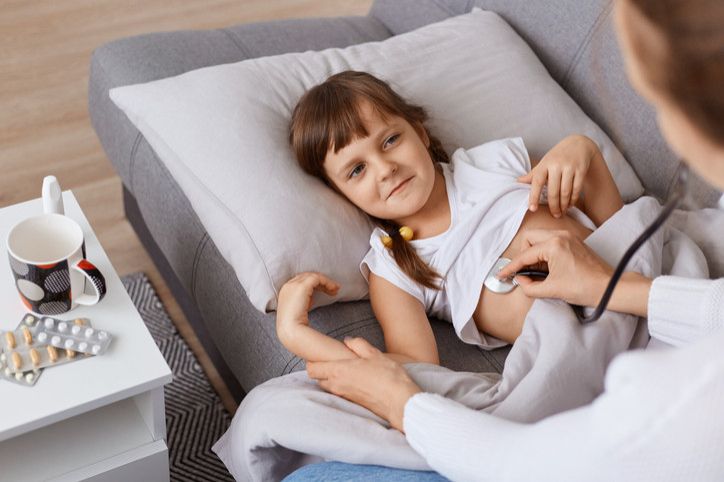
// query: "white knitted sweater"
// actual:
[[660, 418]]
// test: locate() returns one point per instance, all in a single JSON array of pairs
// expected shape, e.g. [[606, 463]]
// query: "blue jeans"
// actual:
[[341, 472]]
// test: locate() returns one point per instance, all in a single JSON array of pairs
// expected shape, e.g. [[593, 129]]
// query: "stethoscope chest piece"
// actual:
[[494, 284]]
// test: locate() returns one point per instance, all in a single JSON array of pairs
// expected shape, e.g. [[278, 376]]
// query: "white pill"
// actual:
[[30, 377], [89, 332], [7, 371], [49, 323], [62, 327], [3, 357], [82, 346], [102, 335], [75, 330], [55, 340], [68, 343], [42, 336], [96, 349], [30, 320], [18, 376]]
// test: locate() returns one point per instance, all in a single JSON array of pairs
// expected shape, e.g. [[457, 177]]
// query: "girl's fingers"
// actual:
[[314, 280], [566, 189], [537, 183], [577, 187], [554, 193]]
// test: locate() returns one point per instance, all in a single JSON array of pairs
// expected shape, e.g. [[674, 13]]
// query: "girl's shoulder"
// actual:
[[502, 157], [380, 261]]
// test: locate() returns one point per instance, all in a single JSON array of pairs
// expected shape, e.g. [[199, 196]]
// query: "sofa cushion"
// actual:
[[222, 133]]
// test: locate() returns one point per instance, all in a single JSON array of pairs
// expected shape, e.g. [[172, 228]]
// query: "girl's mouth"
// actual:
[[399, 187]]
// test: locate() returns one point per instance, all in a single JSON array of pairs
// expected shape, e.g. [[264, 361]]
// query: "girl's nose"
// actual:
[[387, 168]]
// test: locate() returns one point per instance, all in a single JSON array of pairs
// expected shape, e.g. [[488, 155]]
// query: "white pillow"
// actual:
[[222, 133]]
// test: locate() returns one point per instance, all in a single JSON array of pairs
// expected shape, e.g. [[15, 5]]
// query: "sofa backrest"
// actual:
[[576, 41]]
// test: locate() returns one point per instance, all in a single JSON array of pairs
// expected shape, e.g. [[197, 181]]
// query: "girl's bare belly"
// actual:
[[502, 315]]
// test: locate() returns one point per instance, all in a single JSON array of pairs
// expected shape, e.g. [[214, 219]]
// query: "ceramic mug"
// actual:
[[47, 257]]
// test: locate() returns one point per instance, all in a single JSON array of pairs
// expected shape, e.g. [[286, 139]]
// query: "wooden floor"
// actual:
[[44, 124]]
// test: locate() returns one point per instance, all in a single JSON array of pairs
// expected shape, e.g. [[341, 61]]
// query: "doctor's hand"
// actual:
[[374, 381], [576, 274]]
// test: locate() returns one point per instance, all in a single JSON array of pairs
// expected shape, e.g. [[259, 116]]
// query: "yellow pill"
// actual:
[[70, 353], [17, 360], [10, 339], [79, 321], [35, 357], [52, 353], [28, 336]]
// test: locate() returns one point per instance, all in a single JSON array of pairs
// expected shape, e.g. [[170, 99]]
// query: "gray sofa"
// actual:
[[573, 38]]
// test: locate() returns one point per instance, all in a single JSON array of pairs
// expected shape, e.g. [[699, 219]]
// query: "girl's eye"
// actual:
[[391, 139], [356, 170]]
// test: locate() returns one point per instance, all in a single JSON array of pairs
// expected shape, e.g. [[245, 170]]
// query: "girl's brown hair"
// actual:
[[689, 69], [327, 117]]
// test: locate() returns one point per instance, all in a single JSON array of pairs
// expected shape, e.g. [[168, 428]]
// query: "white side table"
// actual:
[[100, 418]]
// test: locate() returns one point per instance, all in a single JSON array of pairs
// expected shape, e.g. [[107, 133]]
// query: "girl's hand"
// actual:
[[372, 380], [563, 169], [295, 300]]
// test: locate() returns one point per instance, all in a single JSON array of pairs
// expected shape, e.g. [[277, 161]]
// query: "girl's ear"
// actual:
[[422, 132]]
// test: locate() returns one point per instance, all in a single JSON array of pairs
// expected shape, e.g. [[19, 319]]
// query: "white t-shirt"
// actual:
[[487, 206]]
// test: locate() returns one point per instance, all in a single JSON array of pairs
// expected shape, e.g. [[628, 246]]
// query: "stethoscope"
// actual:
[[504, 286]]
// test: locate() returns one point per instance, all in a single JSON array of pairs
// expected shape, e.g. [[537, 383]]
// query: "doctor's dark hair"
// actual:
[[327, 117], [687, 66]]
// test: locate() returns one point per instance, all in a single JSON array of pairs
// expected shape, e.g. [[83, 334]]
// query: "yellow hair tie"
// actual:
[[405, 232]]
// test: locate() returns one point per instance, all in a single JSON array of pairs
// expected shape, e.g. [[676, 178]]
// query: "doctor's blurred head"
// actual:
[[674, 54]]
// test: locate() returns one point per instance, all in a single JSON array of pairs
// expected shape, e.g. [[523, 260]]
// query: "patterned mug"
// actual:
[[47, 257]]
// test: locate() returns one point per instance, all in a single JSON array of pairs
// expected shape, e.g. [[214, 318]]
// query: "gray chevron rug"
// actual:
[[195, 417]]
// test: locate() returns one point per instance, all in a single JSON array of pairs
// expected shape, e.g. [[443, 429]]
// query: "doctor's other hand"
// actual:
[[576, 274], [373, 380]]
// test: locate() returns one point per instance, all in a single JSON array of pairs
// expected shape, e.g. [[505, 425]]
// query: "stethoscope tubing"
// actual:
[[679, 193]]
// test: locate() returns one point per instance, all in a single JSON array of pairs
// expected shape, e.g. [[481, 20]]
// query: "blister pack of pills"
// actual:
[[72, 336], [23, 351], [24, 340], [28, 378]]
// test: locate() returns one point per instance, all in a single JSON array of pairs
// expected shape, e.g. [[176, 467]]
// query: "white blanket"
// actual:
[[556, 364]]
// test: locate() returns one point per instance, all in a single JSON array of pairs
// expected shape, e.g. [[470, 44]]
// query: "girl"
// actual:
[[442, 223]]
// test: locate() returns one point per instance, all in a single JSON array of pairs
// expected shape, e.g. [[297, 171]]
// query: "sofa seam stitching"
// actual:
[[603, 14], [236, 42], [197, 256], [446, 8], [132, 160]]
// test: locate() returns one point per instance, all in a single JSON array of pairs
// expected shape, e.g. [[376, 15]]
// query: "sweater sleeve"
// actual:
[[659, 418], [682, 310], [463, 444]]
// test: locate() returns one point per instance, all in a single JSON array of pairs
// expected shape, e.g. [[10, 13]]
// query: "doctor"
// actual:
[[661, 416]]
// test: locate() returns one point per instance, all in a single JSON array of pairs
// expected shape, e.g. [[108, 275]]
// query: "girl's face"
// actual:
[[390, 174]]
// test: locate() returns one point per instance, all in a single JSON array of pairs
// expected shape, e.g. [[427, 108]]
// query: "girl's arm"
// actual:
[[292, 323], [601, 198], [407, 331], [311, 345]]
